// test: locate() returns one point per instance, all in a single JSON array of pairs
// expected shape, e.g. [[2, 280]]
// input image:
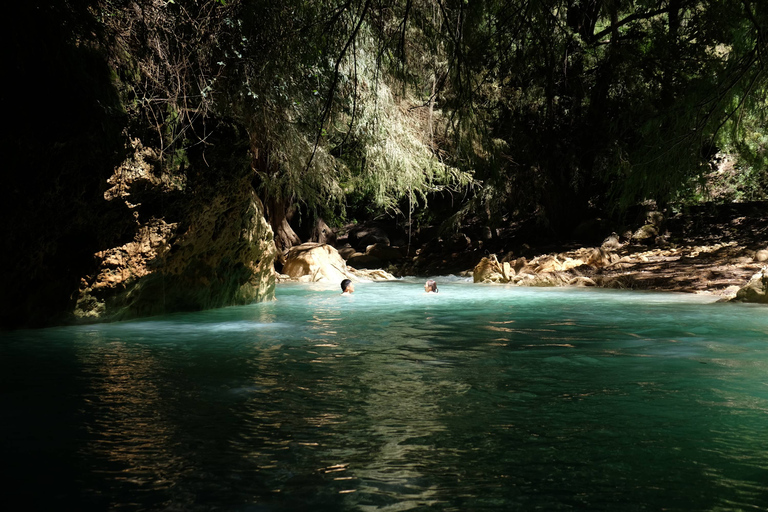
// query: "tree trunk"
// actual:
[[279, 215]]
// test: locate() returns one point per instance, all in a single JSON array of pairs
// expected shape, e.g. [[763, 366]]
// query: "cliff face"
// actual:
[[212, 248], [150, 243], [98, 223]]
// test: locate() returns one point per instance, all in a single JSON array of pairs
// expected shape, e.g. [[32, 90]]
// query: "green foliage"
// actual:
[[555, 106]]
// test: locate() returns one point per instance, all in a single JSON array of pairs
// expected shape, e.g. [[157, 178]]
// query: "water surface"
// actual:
[[477, 398]]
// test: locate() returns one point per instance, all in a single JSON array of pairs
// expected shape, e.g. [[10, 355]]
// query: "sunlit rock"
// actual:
[[315, 262], [376, 274], [646, 234], [611, 243], [218, 250], [756, 290], [488, 271]]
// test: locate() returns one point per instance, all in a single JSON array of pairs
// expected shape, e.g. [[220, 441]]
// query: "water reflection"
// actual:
[[478, 398], [129, 431]]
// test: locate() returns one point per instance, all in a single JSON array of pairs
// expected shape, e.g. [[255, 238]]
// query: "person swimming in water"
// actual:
[[430, 286], [346, 287]]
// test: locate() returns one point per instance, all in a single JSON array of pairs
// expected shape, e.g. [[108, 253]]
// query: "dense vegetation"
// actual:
[[551, 108]]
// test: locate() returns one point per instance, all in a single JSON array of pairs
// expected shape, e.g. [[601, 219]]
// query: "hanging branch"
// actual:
[[336, 73]]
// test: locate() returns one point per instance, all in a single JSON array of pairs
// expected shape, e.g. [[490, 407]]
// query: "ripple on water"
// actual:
[[479, 397]]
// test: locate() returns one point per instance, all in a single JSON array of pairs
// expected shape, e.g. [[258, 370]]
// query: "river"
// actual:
[[479, 397]]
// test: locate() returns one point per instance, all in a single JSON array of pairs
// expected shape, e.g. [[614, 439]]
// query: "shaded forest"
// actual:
[[434, 113]]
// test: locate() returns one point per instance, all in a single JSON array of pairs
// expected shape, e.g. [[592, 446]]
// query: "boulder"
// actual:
[[346, 251], [361, 237], [384, 252], [756, 290], [315, 262], [761, 256], [360, 260], [488, 270], [655, 218], [646, 234]]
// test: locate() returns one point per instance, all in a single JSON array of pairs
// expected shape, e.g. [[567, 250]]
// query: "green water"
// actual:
[[477, 398]]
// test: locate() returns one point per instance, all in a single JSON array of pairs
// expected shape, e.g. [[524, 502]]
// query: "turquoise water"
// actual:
[[477, 398]]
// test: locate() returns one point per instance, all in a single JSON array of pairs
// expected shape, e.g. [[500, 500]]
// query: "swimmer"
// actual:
[[430, 286], [346, 287]]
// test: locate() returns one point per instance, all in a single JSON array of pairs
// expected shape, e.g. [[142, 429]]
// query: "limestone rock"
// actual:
[[611, 243], [488, 270], [646, 234], [223, 256], [655, 218], [361, 237], [756, 290], [360, 260], [507, 271], [372, 274], [315, 262], [384, 252], [581, 281], [347, 251], [599, 257], [761, 255]]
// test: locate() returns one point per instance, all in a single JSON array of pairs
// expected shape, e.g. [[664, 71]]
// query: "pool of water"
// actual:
[[476, 398]]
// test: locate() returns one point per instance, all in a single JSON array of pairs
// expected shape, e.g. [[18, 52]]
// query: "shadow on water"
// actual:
[[479, 397]]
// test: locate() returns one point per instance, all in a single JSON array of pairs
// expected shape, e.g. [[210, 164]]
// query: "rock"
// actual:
[[581, 281], [384, 252], [756, 290], [372, 274], [220, 252], [507, 271], [655, 218], [346, 251], [361, 237], [488, 270], [599, 258], [359, 260], [611, 243], [761, 255], [315, 263], [646, 234]]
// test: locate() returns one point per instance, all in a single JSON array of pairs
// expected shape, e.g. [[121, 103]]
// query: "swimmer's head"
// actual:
[[346, 286], [430, 286]]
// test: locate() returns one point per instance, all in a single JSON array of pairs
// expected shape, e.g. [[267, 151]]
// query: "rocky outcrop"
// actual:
[[489, 270], [217, 252], [543, 270], [756, 290], [720, 269]]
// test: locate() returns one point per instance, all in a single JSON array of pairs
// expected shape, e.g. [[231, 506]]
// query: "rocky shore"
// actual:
[[718, 250]]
